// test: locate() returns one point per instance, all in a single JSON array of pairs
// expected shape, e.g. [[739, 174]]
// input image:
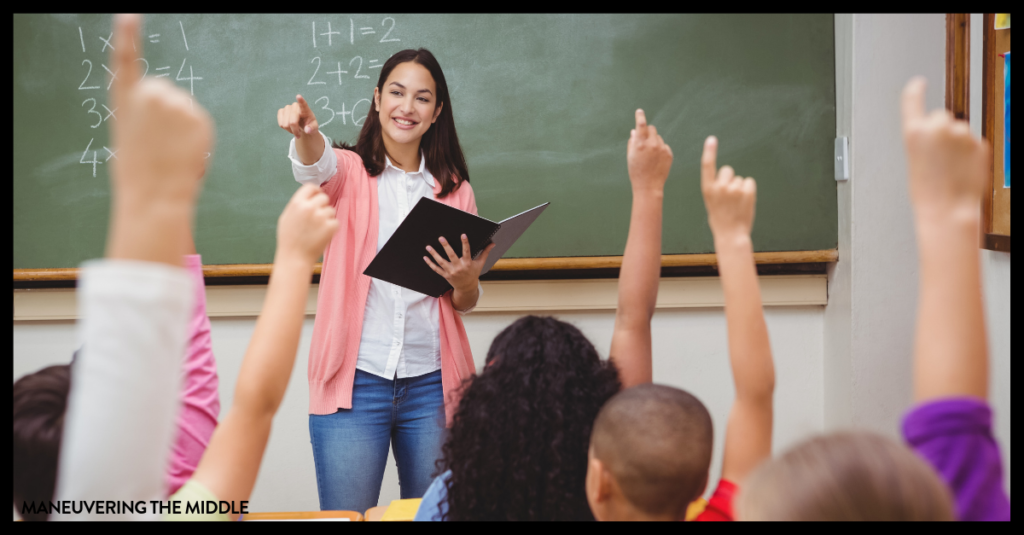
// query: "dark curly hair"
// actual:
[[518, 444]]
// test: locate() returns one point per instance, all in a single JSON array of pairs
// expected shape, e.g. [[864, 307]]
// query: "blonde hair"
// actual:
[[845, 476]]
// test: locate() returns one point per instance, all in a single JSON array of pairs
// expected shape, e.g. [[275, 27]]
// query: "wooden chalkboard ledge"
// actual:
[[522, 296], [505, 264]]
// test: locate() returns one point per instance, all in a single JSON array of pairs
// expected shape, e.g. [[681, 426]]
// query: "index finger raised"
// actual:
[[302, 103], [912, 101], [708, 160], [641, 124], [124, 56]]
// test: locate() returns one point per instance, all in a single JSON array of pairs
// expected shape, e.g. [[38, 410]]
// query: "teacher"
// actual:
[[385, 362]]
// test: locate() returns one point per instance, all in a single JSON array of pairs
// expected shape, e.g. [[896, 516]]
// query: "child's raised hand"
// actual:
[[306, 225], [729, 199], [948, 166], [648, 157], [161, 136], [298, 119]]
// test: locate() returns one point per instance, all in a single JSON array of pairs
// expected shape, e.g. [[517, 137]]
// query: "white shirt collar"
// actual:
[[423, 171]]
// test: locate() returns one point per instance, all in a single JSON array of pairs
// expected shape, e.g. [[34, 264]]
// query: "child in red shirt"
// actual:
[[650, 449]]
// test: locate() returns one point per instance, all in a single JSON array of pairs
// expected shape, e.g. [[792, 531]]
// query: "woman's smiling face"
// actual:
[[407, 106]]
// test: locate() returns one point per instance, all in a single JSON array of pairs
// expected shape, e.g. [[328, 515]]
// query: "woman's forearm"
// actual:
[[310, 147]]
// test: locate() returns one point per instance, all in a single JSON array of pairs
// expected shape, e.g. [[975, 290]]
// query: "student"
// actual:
[[385, 361], [231, 463], [518, 446], [865, 477], [135, 303], [651, 447], [40, 402]]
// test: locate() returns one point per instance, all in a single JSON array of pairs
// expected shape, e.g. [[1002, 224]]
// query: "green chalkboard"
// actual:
[[543, 105]]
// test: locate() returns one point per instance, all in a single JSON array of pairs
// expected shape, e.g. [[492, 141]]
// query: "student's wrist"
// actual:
[[291, 258], [155, 232], [947, 231], [648, 188], [734, 243], [732, 240], [947, 218]]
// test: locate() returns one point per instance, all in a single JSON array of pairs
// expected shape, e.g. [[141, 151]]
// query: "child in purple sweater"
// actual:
[[951, 426], [952, 468]]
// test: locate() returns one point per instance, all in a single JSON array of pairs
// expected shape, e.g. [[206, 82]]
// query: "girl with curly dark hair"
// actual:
[[518, 444]]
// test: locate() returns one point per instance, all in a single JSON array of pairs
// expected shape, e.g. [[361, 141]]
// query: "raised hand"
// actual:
[[729, 198], [948, 166], [462, 272], [160, 134], [648, 157], [306, 225]]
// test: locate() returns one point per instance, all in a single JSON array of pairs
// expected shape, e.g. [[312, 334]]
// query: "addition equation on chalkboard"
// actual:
[[335, 58], [333, 50]]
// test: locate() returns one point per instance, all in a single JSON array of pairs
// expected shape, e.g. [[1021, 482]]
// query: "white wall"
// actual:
[[689, 348], [869, 320], [873, 297]]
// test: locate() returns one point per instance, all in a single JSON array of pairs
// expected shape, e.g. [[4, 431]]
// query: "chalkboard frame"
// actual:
[[524, 267], [528, 268]]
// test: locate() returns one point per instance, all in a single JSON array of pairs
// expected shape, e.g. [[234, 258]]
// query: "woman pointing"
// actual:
[[384, 360]]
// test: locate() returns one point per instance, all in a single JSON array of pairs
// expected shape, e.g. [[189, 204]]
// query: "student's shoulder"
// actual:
[[435, 500]]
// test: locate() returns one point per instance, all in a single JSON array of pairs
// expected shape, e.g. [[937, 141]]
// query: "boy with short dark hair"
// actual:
[[621, 451]]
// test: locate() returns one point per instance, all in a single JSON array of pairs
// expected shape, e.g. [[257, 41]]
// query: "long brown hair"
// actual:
[[440, 144], [845, 476]]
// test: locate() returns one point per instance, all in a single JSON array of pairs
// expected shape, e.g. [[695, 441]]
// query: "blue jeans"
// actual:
[[350, 447]]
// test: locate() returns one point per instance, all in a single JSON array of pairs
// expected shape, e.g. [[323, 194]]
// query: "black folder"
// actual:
[[400, 261]]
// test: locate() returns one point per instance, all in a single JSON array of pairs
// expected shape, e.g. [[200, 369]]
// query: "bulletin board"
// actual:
[[996, 129]]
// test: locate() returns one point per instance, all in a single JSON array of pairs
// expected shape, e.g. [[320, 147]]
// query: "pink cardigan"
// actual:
[[343, 291]]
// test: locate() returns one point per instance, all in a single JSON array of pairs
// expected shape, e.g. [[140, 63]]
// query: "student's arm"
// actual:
[[649, 160], [947, 168], [231, 462], [200, 399], [951, 426], [134, 305], [730, 204]]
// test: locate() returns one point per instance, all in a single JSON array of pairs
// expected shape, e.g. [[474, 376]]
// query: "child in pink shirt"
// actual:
[[40, 401], [200, 401]]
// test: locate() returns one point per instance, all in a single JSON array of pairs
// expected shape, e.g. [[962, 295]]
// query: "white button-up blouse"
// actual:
[[400, 327]]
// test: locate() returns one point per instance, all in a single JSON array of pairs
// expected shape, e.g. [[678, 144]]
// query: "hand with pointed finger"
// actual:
[[948, 166], [729, 199], [298, 119], [648, 157], [462, 272], [306, 225], [161, 135]]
